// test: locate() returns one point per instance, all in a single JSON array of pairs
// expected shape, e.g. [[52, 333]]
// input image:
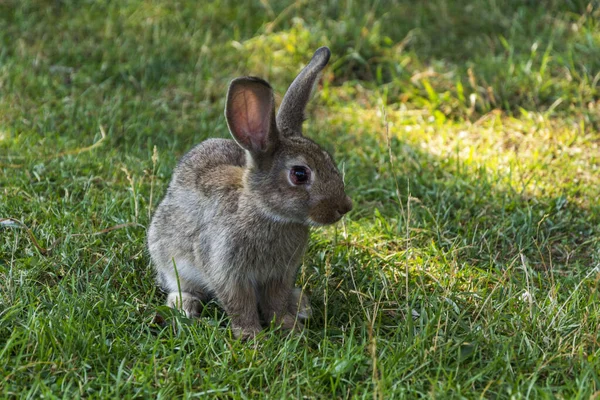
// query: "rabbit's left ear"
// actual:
[[250, 114]]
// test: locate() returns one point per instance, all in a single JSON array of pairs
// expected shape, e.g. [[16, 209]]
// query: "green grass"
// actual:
[[468, 133]]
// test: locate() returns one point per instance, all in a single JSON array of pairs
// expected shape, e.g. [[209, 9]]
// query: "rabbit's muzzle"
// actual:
[[329, 211]]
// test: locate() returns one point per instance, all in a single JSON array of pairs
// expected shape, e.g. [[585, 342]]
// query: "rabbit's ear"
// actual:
[[291, 111], [250, 114]]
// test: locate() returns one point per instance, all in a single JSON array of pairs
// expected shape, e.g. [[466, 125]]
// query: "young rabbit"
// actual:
[[235, 220]]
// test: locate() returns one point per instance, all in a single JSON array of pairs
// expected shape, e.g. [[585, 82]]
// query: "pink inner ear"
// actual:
[[251, 108]]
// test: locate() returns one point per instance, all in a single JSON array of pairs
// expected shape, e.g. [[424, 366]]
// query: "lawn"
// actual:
[[468, 133]]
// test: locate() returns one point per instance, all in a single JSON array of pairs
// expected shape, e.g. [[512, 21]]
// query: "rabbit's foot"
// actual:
[[289, 322], [245, 332], [299, 304], [189, 303]]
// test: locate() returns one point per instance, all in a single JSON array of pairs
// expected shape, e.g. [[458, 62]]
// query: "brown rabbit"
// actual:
[[235, 220]]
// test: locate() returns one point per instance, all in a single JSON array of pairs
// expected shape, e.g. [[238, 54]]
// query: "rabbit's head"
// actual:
[[288, 177]]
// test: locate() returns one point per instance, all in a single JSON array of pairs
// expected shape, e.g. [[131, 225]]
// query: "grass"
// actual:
[[468, 133]]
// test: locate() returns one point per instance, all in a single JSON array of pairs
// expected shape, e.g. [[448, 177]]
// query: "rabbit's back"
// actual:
[[214, 165]]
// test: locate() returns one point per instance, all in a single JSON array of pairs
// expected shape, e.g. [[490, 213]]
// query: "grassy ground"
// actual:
[[468, 132]]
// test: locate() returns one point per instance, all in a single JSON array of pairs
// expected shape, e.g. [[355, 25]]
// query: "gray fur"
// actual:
[[233, 225]]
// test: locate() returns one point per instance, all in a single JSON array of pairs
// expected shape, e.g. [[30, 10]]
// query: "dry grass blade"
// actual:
[[2, 165], [81, 149], [16, 222], [64, 153]]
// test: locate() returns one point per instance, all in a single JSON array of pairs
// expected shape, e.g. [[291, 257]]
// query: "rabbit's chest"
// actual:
[[266, 255]]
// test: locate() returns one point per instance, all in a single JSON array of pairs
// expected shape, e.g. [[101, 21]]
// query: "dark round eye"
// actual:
[[299, 175]]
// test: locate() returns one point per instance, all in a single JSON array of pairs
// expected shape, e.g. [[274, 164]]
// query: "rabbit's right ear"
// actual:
[[291, 110], [250, 114]]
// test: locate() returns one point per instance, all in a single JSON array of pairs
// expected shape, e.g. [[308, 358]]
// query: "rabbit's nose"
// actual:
[[345, 206]]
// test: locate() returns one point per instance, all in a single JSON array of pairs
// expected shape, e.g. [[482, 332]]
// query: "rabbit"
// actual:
[[234, 223]]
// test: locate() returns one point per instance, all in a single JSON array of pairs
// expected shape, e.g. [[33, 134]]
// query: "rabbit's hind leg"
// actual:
[[183, 294], [186, 302]]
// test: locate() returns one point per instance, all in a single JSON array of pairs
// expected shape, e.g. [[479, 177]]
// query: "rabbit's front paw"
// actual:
[[291, 323], [300, 304]]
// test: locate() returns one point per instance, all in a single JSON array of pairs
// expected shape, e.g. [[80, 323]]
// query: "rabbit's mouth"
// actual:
[[310, 221]]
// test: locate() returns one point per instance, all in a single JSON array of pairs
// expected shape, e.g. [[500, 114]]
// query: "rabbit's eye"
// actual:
[[300, 175]]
